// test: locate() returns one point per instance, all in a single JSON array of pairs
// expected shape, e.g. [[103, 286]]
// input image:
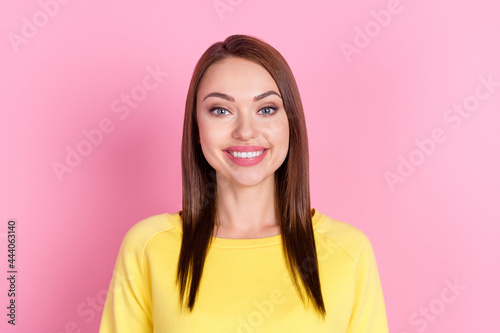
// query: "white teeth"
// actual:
[[246, 154]]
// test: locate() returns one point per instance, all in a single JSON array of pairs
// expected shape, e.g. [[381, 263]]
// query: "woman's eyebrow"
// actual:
[[264, 95], [221, 95], [231, 99]]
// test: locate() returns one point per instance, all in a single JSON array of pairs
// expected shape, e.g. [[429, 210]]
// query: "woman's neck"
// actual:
[[246, 210]]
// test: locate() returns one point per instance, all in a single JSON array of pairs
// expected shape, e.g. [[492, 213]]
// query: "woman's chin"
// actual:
[[249, 179]]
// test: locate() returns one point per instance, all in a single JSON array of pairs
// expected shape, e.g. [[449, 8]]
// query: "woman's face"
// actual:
[[240, 112]]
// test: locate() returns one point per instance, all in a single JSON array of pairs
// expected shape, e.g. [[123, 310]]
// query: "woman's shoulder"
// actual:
[[147, 228], [344, 235]]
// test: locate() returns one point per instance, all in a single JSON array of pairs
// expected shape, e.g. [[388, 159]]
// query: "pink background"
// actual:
[[435, 226]]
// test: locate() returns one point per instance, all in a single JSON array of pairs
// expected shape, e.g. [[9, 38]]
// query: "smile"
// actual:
[[248, 154], [246, 158]]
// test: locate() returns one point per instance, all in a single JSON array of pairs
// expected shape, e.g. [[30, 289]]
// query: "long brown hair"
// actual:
[[292, 200]]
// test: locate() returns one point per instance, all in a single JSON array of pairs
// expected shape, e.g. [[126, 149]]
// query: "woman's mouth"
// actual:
[[246, 154], [246, 158]]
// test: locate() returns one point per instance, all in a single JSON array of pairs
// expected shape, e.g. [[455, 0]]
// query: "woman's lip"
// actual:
[[245, 148], [246, 161]]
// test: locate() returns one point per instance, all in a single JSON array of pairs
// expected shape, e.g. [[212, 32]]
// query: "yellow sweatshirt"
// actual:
[[245, 287]]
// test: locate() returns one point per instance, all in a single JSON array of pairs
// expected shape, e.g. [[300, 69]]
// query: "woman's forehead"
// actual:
[[236, 76]]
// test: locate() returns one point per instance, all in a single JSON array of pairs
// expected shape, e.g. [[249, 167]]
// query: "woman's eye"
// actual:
[[268, 110], [218, 111]]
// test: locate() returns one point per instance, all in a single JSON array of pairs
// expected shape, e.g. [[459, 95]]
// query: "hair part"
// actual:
[[292, 195]]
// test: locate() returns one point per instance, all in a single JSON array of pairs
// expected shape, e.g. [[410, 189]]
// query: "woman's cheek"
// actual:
[[280, 125]]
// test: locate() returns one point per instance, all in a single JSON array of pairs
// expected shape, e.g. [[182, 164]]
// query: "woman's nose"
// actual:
[[245, 127]]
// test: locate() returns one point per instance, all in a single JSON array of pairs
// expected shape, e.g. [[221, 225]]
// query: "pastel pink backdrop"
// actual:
[[374, 76]]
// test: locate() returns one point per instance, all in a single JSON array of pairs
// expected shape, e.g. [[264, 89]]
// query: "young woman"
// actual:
[[246, 253]]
